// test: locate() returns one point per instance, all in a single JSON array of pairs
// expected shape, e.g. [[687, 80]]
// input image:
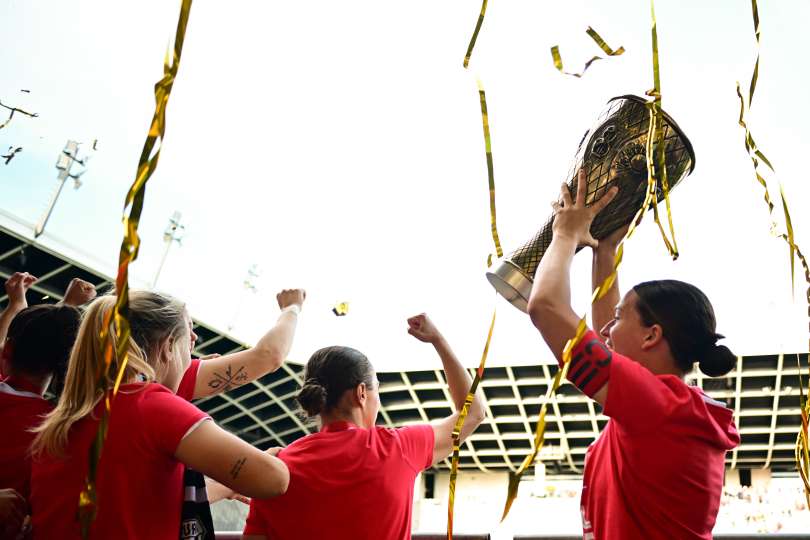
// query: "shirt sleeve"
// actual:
[[189, 380], [168, 417], [417, 445], [590, 364], [255, 523]]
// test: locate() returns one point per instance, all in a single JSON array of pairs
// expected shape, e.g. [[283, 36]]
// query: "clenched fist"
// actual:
[[79, 292], [16, 287], [423, 329], [289, 297]]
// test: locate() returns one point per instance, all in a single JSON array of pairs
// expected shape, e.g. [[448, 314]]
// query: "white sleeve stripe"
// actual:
[[712, 401], [195, 426]]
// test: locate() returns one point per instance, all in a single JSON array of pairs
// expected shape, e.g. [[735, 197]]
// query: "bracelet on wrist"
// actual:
[[292, 308]]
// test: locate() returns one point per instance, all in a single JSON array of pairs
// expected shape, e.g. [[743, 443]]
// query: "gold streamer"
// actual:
[[341, 309], [802, 453], [115, 332], [557, 59], [654, 130], [462, 417], [480, 372], [490, 174], [539, 435], [803, 440], [475, 34]]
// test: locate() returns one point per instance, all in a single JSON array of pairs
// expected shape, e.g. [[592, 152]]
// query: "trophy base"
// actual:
[[511, 283]]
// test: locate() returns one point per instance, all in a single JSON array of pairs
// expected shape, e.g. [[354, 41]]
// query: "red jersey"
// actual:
[[139, 482], [656, 471], [189, 380], [347, 483], [19, 412]]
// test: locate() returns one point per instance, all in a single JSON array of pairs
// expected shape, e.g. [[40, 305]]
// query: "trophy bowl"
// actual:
[[613, 153]]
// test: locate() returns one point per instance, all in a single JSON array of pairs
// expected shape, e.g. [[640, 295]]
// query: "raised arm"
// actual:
[[226, 372], [458, 382], [232, 462], [16, 287], [603, 254], [550, 300]]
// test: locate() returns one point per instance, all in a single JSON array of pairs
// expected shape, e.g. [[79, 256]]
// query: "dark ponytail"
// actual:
[[688, 322], [330, 372]]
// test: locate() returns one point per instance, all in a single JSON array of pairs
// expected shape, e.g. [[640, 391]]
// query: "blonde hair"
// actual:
[[154, 318]]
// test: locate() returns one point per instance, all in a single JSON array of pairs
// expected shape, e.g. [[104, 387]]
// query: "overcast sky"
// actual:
[[338, 146]]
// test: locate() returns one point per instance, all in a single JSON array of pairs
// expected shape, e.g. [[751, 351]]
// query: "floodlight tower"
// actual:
[[249, 285], [252, 275], [173, 234], [64, 163]]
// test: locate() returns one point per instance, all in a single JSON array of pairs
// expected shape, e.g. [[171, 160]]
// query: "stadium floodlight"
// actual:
[[249, 284], [174, 233], [67, 158], [252, 275]]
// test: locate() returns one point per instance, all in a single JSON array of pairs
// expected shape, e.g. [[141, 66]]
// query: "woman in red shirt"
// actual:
[[354, 479], [35, 343], [656, 471], [151, 433]]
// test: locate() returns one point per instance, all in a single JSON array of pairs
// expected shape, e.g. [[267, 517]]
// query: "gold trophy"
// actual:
[[613, 153]]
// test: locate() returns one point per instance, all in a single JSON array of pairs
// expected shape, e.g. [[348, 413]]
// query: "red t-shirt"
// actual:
[[19, 412], [139, 482], [656, 471], [347, 483], [189, 380]]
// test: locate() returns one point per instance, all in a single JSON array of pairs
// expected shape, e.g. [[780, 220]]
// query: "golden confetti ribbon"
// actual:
[[802, 453], [115, 333], [462, 417], [802, 440], [11, 114], [490, 174], [539, 435], [475, 34], [656, 133], [654, 151], [557, 59], [341, 309]]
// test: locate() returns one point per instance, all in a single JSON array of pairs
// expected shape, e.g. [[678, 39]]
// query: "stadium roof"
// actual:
[[763, 391]]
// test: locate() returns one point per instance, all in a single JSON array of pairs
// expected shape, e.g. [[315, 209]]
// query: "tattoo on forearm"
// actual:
[[229, 379], [237, 467]]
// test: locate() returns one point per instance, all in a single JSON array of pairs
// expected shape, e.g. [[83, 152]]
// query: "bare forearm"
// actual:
[[602, 267], [275, 345], [552, 282], [235, 464], [550, 299], [227, 372], [458, 379]]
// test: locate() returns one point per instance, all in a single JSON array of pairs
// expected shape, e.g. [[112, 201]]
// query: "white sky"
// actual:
[[338, 145]]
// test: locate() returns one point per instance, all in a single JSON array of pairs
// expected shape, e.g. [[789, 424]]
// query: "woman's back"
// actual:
[[347, 482], [139, 481]]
